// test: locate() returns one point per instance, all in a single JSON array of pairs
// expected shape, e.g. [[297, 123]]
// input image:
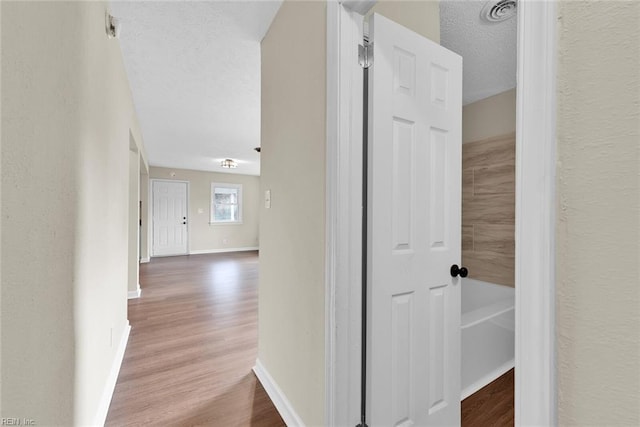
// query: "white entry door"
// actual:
[[169, 218], [414, 190]]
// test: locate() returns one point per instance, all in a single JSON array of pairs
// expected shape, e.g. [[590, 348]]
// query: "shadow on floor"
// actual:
[[244, 403]]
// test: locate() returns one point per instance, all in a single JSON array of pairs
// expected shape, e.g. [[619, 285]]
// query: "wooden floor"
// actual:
[[490, 406], [194, 341], [192, 346]]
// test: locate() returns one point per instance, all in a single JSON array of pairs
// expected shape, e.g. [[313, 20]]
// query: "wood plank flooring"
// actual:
[[491, 406], [192, 346], [194, 341]]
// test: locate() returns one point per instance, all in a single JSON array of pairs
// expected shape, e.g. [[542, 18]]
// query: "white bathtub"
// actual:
[[488, 339]]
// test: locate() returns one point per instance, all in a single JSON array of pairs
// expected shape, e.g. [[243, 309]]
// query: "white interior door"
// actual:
[[169, 218], [415, 111]]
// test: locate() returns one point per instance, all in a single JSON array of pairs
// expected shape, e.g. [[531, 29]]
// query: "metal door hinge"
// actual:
[[365, 55]]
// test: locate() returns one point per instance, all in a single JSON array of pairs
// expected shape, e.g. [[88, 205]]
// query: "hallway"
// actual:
[[192, 346]]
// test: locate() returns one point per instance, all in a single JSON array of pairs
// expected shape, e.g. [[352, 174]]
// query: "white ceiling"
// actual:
[[194, 70], [488, 50]]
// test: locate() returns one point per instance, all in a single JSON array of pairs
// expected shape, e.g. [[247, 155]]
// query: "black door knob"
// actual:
[[461, 271]]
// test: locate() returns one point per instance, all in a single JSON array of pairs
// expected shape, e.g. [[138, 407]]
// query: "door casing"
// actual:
[[535, 384]]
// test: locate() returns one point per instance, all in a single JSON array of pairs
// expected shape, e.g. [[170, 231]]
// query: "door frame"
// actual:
[[535, 359], [153, 181]]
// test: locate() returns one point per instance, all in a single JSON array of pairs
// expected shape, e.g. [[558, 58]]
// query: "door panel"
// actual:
[[415, 110], [169, 218]]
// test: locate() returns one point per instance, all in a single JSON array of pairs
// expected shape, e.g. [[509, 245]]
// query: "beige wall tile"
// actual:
[[467, 237], [489, 152], [489, 209], [490, 267], [499, 238], [500, 179], [467, 183]]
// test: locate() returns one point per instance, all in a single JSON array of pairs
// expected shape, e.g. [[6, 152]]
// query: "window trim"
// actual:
[[235, 186]]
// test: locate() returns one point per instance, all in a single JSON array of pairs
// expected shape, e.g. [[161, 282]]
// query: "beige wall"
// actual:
[[423, 17], [144, 230], [292, 231], [67, 114], [489, 117], [133, 224], [598, 283], [204, 236], [291, 310]]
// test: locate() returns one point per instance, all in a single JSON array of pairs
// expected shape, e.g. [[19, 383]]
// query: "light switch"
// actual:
[[267, 199], [200, 210]]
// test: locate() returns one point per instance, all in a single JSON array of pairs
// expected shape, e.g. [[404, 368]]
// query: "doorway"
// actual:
[[413, 229], [535, 148], [169, 217], [136, 169]]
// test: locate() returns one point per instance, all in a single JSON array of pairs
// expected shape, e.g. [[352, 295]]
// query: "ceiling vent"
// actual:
[[498, 11]]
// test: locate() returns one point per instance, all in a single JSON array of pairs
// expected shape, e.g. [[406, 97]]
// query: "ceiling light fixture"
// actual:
[[228, 164]]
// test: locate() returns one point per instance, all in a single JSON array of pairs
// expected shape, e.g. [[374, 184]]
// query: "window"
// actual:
[[226, 203]]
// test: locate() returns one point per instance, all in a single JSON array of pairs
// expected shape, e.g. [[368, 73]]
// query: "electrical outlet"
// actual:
[[225, 241]]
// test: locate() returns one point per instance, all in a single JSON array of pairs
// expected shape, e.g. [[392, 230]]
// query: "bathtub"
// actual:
[[488, 338]]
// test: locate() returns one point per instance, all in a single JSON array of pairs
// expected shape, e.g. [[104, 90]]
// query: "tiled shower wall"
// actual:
[[488, 209]]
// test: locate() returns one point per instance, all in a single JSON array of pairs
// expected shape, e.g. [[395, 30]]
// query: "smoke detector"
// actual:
[[498, 10]]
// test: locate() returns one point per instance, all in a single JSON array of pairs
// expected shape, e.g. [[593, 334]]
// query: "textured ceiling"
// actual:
[[488, 50], [194, 70]]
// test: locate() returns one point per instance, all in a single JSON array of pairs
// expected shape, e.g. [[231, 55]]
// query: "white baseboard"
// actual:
[[218, 251], [491, 376], [135, 294], [280, 401], [145, 260], [107, 394]]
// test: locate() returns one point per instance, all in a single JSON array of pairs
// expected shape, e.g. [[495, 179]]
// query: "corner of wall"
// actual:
[[490, 117], [39, 200], [423, 17], [292, 230]]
